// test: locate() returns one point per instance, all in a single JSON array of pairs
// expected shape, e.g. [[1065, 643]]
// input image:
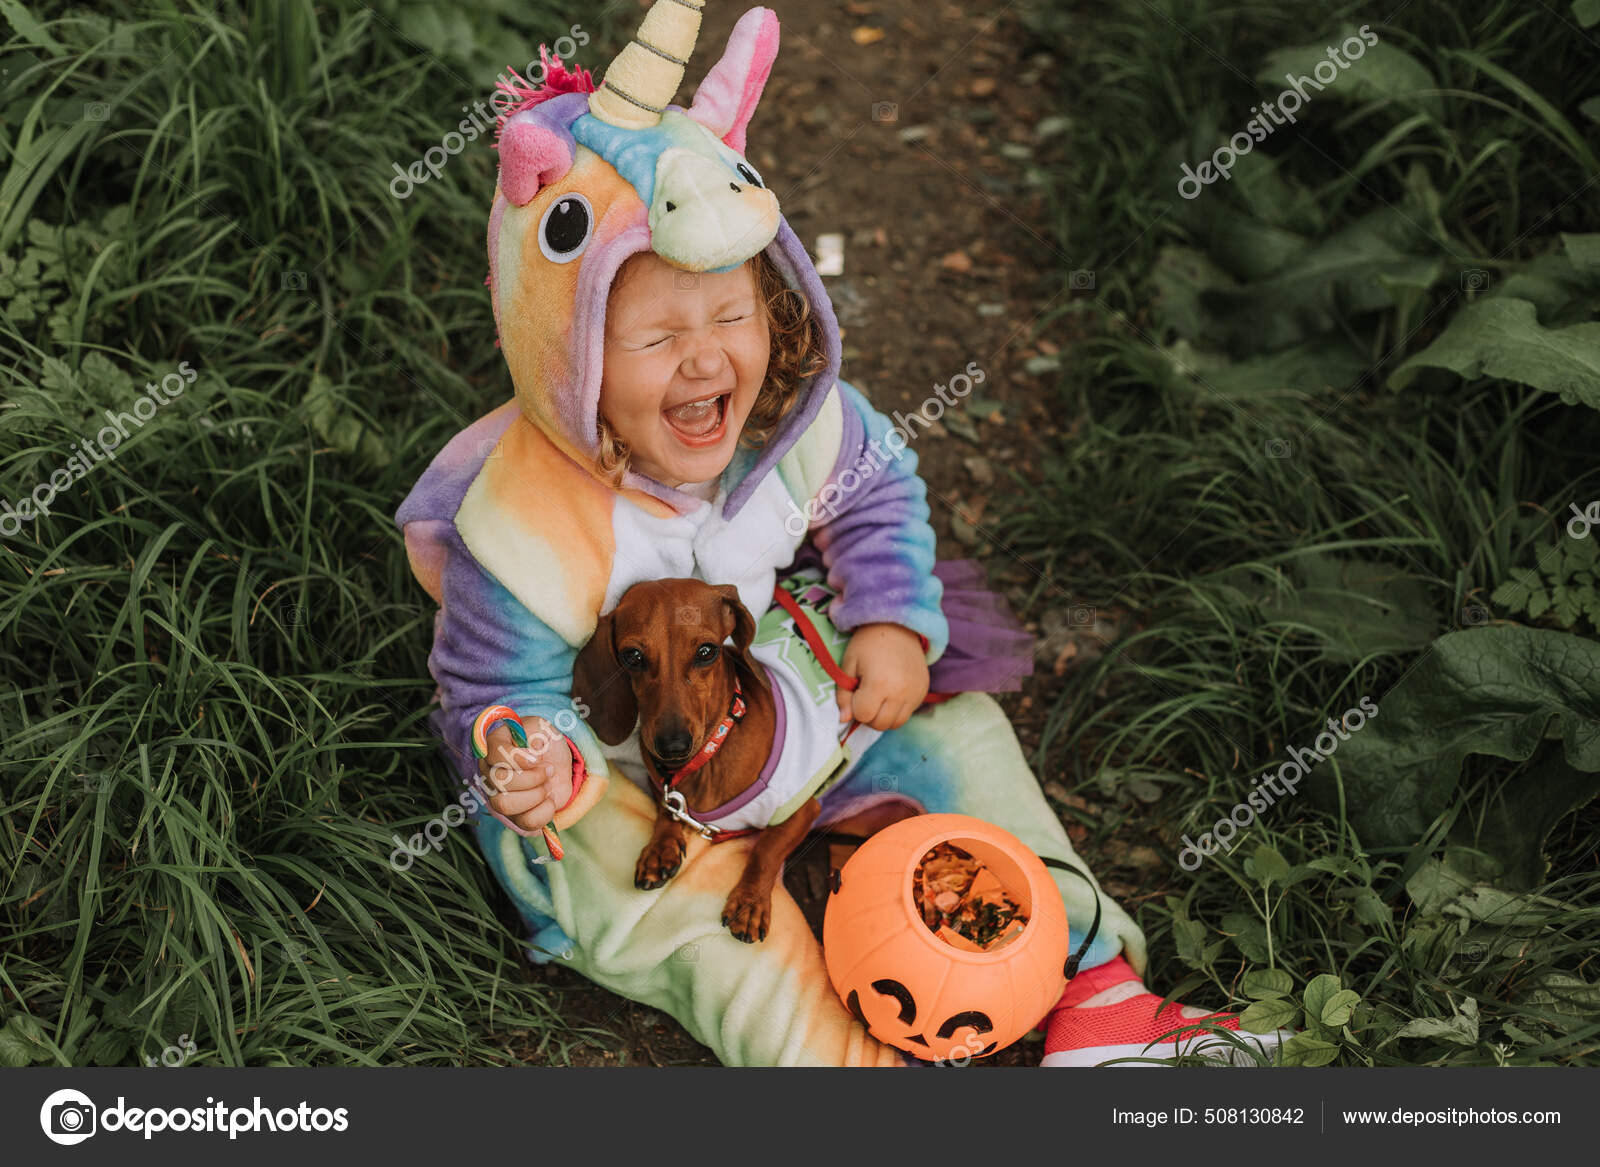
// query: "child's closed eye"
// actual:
[[641, 343]]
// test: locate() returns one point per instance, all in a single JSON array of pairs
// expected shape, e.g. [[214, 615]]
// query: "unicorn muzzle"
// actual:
[[703, 217]]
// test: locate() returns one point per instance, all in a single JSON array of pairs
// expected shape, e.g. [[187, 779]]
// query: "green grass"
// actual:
[[217, 654], [1280, 532]]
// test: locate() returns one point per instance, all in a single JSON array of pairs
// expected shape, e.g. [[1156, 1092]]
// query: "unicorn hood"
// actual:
[[591, 176]]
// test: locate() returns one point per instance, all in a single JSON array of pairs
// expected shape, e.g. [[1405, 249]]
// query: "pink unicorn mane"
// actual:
[[558, 79]]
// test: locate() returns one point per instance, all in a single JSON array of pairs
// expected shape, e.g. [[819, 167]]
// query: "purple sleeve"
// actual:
[[873, 530]]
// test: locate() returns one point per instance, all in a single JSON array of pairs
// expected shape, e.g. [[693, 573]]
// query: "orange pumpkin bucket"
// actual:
[[924, 994]]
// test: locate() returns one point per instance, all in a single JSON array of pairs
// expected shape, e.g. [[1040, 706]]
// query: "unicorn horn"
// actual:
[[645, 77]]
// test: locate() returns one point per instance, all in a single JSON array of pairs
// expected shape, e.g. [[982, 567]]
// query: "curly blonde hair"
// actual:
[[797, 355]]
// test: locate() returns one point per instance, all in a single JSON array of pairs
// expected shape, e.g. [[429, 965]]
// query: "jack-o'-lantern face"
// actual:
[[918, 993], [895, 1021]]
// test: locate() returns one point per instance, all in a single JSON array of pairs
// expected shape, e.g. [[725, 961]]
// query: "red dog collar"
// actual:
[[736, 712]]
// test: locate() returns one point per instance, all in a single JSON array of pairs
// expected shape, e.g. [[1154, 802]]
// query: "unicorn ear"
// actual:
[[727, 97], [532, 155]]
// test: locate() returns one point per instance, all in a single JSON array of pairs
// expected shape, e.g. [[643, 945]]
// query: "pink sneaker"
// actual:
[[1137, 1026]]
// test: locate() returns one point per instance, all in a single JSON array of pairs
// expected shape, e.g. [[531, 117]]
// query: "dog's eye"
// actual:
[[632, 659], [706, 653]]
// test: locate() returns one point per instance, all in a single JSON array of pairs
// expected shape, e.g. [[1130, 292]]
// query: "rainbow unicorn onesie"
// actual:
[[523, 544]]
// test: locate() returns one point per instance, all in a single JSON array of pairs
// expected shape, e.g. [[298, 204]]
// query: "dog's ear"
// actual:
[[603, 685], [739, 624]]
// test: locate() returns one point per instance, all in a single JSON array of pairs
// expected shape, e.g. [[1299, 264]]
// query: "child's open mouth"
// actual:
[[699, 422]]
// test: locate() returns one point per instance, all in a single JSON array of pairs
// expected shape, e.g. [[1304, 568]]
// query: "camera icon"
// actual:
[[1278, 448], [489, 448], [686, 280], [68, 1117], [294, 281], [1081, 615], [93, 783], [1474, 616], [885, 111], [689, 953], [1475, 953], [1474, 279], [1081, 281], [293, 614], [96, 111], [686, 614], [886, 782]]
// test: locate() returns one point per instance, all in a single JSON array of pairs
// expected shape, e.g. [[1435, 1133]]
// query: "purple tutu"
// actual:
[[990, 651]]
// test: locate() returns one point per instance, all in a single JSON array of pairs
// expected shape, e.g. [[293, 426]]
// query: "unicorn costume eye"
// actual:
[[565, 228]]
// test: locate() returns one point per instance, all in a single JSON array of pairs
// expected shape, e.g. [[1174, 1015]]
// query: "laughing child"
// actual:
[[678, 413]]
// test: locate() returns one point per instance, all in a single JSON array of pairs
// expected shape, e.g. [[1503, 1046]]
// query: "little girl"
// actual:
[[675, 361]]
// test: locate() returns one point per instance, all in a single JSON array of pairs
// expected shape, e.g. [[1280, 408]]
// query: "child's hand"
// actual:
[[527, 785], [894, 676]]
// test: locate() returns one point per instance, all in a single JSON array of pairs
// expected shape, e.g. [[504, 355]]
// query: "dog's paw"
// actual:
[[748, 914], [659, 863]]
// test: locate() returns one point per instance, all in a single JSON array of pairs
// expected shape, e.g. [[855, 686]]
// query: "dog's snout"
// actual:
[[672, 741]]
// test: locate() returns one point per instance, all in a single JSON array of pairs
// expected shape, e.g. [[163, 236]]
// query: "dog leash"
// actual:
[[819, 648]]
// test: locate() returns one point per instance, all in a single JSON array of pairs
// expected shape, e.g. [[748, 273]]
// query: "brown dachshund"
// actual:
[[659, 660]]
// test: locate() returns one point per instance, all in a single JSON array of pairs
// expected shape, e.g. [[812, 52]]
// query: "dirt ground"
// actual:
[[907, 128]]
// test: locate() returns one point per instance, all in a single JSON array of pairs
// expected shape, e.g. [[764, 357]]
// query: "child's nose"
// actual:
[[705, 359]]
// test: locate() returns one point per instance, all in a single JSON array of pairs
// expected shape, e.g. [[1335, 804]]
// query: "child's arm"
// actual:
[[872, 528], [871, 525], [489, 650]]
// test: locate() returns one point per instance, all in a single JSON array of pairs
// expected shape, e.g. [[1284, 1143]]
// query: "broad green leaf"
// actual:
[[1265, 984], [1189, 936], [1339, 1008], [29, 28], [1586, 12], [1381, 72], [1320, 288], [1583, 250], [1559, 292], [1502, 337], [1356, 608], [1370, 909], [1249, 935], [1523, 823], [1562, 993], [1269, 865], [108, 1047], [1343, 865], [18, 1042], [1495, 691], [1305, 1050], [1319, 991], [1434, 885], [1461, 1028], [1266, 1016]]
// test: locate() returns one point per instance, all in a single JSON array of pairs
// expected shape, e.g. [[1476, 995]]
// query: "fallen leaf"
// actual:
[[866, 35], [957, 261], [982, 87]]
